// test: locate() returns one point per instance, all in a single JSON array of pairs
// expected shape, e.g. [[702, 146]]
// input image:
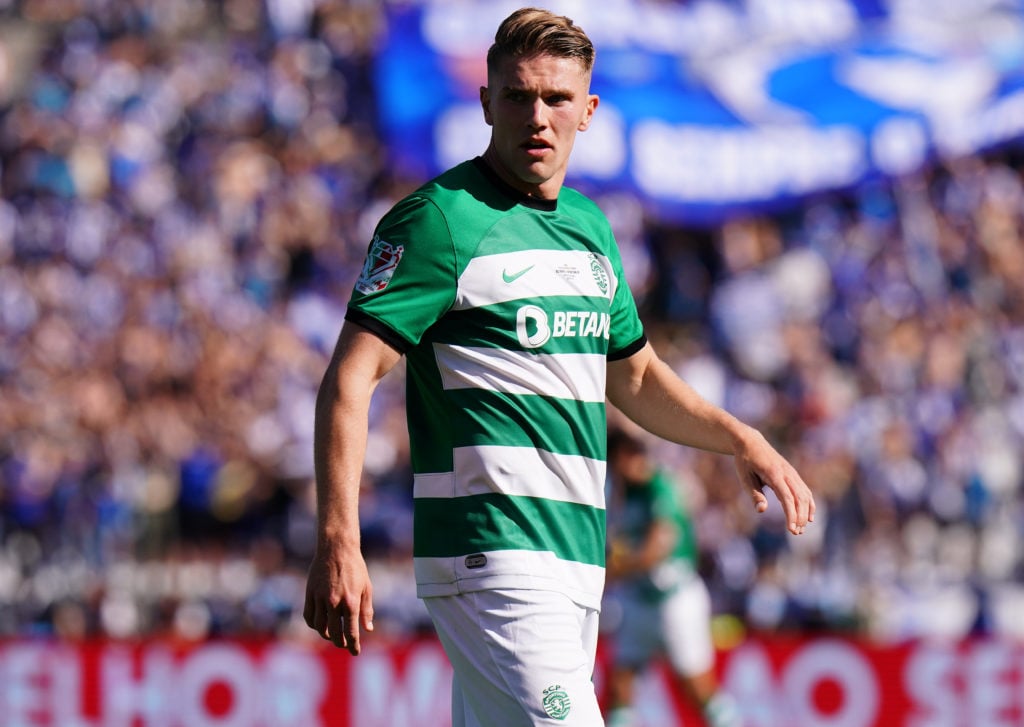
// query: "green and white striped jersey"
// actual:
[[508, 309]]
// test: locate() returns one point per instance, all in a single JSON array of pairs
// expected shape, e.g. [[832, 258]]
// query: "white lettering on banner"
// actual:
[[23, 689], [698, 164], [66, 677], [40, 685], [749, 678], [991, 692], [601, 152], [146, 695], [223, 665], [815, 21], [420, 695], [1001, 121], [928, 679], [468, 28], [294, 687], [653, 701], [700, 28], [815, 683], [950, 688], [840, 663]]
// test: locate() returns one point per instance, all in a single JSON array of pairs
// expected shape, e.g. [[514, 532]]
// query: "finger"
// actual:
[[320, 619], [335, 628], [350, 632], [756, 483], [309, 611], [367, 609], [760, 501], [805, 501], [804, 505], [807, 497], [790, 506]]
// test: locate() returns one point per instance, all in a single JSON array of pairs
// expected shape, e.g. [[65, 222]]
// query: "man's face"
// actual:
[[535, 106]]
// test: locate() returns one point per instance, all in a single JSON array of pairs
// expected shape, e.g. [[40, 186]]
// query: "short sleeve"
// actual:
[[627, 331], [408, 280]]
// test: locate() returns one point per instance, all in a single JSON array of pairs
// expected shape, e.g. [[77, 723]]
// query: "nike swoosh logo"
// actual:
[[512, 277]]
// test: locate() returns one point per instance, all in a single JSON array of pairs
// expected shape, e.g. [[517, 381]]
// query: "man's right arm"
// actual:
[[650, 393], [338, 590]]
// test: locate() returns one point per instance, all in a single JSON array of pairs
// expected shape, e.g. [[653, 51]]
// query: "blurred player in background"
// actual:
[[506, 294], [665, 606]]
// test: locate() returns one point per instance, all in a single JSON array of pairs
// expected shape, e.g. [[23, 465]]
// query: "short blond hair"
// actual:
[[531, 31]]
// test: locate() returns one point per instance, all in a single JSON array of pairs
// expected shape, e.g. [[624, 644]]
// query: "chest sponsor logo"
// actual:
[[535, 326], [380, 265]]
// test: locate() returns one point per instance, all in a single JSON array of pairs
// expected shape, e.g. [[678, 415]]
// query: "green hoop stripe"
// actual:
[[478, 417], [451, 527]]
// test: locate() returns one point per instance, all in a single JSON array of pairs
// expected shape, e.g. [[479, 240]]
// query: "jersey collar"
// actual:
[[546, 205]]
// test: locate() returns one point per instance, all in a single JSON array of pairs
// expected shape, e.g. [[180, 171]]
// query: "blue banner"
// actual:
[[714, 108]]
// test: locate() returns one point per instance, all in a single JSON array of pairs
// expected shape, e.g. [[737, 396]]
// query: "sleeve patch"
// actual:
[[381, 262]]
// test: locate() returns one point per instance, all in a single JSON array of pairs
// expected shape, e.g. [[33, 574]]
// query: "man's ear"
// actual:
[[485, 103], [592, 102]]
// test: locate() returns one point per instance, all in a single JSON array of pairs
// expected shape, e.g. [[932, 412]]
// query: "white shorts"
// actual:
[[678, 626], [520, 658]]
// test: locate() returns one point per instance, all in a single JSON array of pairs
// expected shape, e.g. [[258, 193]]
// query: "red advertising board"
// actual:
[[805, 682]]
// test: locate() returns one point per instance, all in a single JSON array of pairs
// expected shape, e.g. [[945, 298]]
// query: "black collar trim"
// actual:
[[545, 205]]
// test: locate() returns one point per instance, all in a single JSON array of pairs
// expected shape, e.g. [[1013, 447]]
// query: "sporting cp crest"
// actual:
[[600, 276], [556, 702], [381, 261]]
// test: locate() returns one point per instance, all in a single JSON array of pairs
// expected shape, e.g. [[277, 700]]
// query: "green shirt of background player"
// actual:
[[536, 99], [652, 544]]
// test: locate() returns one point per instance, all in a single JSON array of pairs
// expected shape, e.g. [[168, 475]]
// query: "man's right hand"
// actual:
[[339, 598]]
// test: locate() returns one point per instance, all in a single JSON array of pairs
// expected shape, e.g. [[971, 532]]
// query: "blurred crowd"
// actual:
[[876, 337], [188, 189]]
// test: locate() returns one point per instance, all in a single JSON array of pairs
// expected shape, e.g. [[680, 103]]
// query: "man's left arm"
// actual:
[[649, 392]]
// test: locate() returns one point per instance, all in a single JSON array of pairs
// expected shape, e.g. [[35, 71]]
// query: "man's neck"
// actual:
[[547, 191]]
